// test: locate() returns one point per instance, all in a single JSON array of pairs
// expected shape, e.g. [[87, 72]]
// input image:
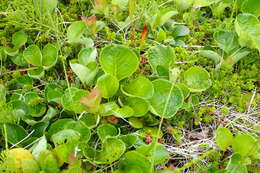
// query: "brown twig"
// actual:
[[18, 70]]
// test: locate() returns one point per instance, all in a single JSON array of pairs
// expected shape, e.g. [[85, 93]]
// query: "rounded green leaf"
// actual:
[[140, 106], [244, 145], [161, 58], [197, 79], [118, 61], [87, 55], [36, 73], [64, 136], [247, 27], [75, 31], [71, 100], [106, 130], [185, 90], [134, 161], [85, 74], [128, 139], [53, 93], [19, 60], [251, 6], [15, 133], [135, 122], [154, 151], [33, 55], [139, 87], [49, 56], [30, 166], [90, 120], [108, 85], [19, 39], [167, 99], [224, 138], [63, 124], [112, 150]]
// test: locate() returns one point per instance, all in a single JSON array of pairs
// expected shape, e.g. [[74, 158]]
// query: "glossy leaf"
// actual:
[[33, 55], [247, 27], [53, 93], [155, 152], [49, 56], [197, 79], [251, 6], [19, 39], [244, 144], [226, 40], [224, 138], [167, 99], [71, 100], [87, 55], [135, 162], [139, 87], [108, 85], [15, 133], [140, 106], [161, 58], [75, 31], [118, 61], [105, 131], [135, 122], [85, 74]]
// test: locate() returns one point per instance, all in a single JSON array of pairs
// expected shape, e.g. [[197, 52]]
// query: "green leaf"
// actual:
[[65, 124], [251, 6], [48, 162], [244, 145], [45, 6], [203, 3], [139, 87], [34, 101], [53, 93], [161, 58], [224, 138], [11, 51], [49, 56], [108, 85], [226, 40], [167, 99], [75, 31], [183, 4], [139, 105], [118, 61], [136, 122], [3, 92], [247, 27], [197, 79], [134, 162], [185, 90], [87, 55], [33, 55], [112, 150], [163, 16], [154, 151], [180, 31], [19, 60], [29, 166], [19, 39], [64, 136], [36, 73], [71, 100], [15, 133], [235, 165], [41, 145], [106, 130], [85, 74], [90, 120], [214, 56], [128, 139]]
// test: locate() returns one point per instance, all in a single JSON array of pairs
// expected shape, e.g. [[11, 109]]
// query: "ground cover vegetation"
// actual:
[[129, 86]]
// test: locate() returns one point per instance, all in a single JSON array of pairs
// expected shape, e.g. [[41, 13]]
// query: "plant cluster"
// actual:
[[126, 86]]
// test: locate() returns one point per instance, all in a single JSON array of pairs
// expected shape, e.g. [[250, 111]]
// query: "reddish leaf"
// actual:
[[144, 34], [93, 99], [112, 119]]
